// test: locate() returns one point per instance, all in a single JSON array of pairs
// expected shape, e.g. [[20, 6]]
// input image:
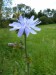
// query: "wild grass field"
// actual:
[[41, 49]]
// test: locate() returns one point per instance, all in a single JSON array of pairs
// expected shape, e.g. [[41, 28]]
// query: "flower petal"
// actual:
[[30, 21], [36, 28], [20, 17], [27, 31], [20, 32], [15, 24], [32, 17], [32, 31], [37, 21], [13, 29]]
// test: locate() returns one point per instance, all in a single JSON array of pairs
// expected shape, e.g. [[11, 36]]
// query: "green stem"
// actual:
[[26, 55]]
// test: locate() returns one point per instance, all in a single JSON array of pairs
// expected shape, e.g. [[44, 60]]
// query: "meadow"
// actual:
[[41, 49]]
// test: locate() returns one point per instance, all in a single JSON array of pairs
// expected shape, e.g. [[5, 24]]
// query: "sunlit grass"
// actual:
[[41, 48]]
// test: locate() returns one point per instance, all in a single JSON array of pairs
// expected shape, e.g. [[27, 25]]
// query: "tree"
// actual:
[[14, 10], [54, 17], [16, 15], [23, 8], [32, 12], [53, 11], [7, 10], [48, 12], [7, 3], [4, 11], [1, 3], [40, 14]]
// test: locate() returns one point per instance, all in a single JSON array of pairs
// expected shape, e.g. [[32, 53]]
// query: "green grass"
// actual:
[[41, 49]]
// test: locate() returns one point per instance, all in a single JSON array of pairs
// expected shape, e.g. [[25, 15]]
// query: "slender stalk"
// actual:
[[26, 55]]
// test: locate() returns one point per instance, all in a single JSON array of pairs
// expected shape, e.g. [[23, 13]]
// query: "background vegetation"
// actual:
[[9, 14], [41, 49]]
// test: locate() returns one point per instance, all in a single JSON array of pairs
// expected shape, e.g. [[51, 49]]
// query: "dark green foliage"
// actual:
[[40, 14], [54, 15], [50, 20], [31, 13], [5, 23], [44, 20], [54, 19]]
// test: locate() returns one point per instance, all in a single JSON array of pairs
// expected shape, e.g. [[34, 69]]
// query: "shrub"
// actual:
[[5, 22], [44, 20], [50, 20]]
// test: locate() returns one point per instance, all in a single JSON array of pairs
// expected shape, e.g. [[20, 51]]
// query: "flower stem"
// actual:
[[26, 55]]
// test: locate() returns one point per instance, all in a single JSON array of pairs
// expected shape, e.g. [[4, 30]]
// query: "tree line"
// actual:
[[9, 14]]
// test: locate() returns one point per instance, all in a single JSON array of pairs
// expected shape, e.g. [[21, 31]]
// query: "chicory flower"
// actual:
[[25, 25]]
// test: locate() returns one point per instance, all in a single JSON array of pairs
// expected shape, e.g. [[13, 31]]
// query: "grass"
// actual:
[[41, 49]]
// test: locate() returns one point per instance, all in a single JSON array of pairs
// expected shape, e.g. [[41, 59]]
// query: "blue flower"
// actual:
[[25, 25]]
